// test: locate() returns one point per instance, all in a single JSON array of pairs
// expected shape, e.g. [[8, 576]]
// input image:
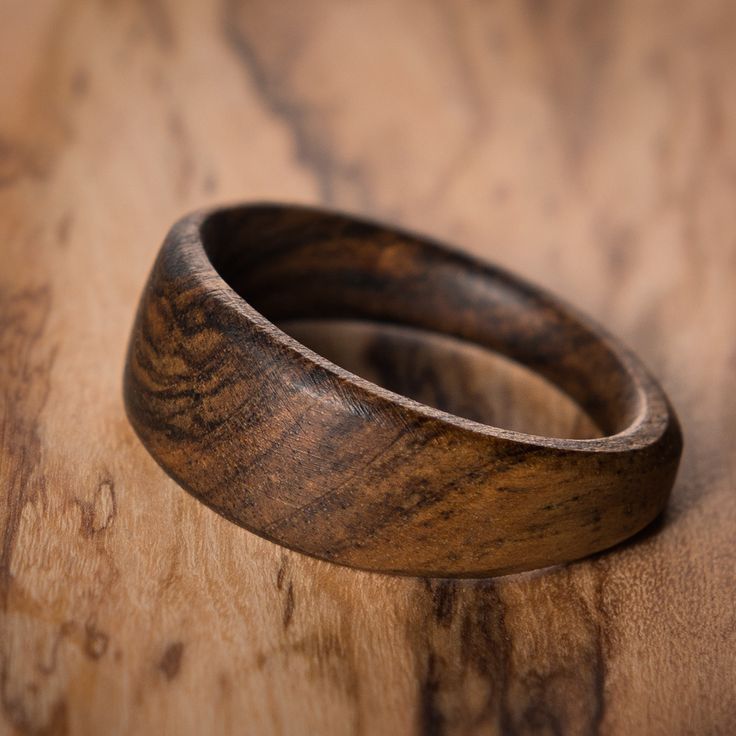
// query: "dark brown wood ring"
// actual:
[[294, 448]]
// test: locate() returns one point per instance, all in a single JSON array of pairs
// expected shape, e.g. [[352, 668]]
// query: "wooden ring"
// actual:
[[300, 451]]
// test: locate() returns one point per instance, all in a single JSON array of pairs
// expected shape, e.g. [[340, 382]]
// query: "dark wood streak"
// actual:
[[159, 22], [286, 585], [22, 723], [572, 81], [66, 629], [289, 604], [461, 652], [170, 662], [98, 514], [23, 720], [478, 671], [602, 650], [96, 641], [23, 357], [312, 146], [313, 457]]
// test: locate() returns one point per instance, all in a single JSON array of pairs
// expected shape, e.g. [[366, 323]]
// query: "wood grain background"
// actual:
[[590, 146]]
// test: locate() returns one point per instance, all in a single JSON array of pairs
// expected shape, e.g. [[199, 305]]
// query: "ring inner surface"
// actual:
[[299, 266], [446, 373]]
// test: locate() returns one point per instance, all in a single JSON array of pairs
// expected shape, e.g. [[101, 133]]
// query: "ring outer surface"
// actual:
[[308, 455]]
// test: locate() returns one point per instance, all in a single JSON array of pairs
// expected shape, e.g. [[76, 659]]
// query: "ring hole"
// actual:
[[448, 374]]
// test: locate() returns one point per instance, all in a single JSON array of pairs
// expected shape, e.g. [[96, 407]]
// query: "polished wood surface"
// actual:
[[590, 147], [294, 448]]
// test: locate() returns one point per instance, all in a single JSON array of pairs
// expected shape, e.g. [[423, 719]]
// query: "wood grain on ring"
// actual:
[[298, 450]]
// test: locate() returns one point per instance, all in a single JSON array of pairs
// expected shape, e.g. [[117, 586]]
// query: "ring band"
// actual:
[[300, 451]]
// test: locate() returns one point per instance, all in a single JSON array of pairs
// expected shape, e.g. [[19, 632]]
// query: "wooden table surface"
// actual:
[[588, 146]]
